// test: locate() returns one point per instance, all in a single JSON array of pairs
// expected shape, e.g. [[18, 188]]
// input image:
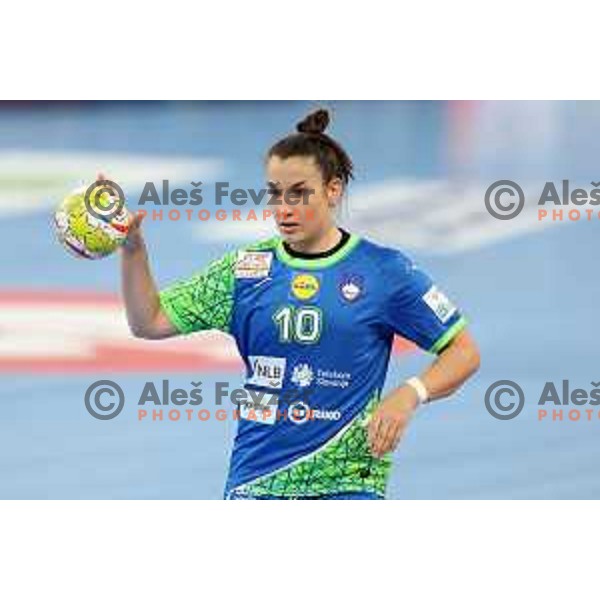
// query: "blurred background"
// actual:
[[529, 287]]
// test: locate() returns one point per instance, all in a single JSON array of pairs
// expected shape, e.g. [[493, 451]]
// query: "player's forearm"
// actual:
[[140, 293], [452, 368]]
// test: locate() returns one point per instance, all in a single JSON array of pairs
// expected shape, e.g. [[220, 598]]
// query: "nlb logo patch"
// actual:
[[252, 265], [439, 304], [267, 371], [305, 286]]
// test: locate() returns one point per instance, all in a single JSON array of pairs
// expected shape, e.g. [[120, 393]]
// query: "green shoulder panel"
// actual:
[[269, 244], [205, 300]]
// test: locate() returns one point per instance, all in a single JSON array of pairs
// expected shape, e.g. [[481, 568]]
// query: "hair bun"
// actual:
[[316, 122]]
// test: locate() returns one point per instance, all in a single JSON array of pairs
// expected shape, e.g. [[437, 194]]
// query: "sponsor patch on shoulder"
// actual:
[[252, 264], [439, 304]]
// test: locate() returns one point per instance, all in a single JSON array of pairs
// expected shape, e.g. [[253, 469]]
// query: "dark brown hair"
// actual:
[[311, 140]]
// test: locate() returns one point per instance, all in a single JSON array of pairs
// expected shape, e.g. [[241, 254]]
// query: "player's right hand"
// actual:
[[134, 236]]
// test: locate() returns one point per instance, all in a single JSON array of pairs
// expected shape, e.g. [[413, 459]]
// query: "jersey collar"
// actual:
[[316, 263]]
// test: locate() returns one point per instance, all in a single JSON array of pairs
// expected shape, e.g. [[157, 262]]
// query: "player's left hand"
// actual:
[[390, 419]]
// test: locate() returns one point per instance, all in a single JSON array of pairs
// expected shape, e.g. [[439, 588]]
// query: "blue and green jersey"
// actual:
[[315, 335]]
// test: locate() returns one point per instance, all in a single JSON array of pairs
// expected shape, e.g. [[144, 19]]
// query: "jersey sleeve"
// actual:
[[204, 301], [418, 310]]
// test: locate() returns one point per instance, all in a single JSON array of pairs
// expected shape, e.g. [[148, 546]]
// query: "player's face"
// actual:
[[304, 204]]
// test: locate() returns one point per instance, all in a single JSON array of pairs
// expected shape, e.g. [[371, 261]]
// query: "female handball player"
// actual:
[[313, 312]]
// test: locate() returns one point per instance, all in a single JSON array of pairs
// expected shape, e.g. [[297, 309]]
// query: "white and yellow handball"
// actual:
[[92, 227]]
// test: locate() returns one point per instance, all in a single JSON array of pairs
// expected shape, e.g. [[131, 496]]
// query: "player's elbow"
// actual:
[[139, 332], [143, 332], [158, 328]]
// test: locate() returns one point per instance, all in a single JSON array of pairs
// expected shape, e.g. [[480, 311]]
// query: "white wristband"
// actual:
[[416, 384]]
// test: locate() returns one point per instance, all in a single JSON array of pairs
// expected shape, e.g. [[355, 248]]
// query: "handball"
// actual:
[[93, 222]]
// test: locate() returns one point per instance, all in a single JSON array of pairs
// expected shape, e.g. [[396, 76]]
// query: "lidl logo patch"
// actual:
[[305, 286]]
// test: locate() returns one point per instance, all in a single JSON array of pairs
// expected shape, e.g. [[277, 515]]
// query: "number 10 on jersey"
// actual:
[[299, 324]]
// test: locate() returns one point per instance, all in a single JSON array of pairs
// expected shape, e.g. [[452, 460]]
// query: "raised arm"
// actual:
[[145, 317]]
